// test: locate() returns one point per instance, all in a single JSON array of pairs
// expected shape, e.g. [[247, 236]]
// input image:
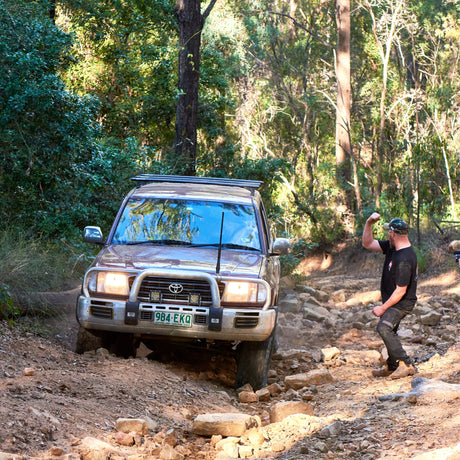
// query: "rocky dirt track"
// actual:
[[57, 404]]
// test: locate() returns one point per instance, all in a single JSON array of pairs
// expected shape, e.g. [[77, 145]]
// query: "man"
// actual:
[[398, 288]]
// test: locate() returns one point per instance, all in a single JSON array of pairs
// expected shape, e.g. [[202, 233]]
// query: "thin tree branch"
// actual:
[[208, 9], [300, 26]]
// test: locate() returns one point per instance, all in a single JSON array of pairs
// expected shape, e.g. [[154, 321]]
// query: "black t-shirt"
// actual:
[[399, 269]]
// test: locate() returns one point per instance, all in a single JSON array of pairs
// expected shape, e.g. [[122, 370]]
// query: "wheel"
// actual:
[[253, 363], [88, 341], [123, 345]]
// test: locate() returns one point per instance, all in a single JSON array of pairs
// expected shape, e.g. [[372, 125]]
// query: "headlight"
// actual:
[[244, 292], [108, 283]]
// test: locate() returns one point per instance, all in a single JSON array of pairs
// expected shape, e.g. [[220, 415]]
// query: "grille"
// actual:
[[161, 286], [247, 321], [101, 309], [146, 315]]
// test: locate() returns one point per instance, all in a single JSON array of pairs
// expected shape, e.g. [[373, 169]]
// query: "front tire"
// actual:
[[123, 346], [87, 341], [253, 363]]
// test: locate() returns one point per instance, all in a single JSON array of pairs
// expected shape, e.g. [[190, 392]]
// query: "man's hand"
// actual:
[[374, 217], [378, 310]]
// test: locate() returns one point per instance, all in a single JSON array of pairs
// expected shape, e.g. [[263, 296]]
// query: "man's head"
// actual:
[[397, 229], [397, 225]]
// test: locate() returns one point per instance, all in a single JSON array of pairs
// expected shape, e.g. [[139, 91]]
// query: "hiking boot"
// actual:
[[403, 370], [382, 372]]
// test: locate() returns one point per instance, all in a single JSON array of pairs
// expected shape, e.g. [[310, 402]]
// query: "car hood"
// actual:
[[233, 262]]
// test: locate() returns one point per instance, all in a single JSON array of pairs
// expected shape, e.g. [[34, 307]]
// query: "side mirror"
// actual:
[[93, 235], [281, 246]]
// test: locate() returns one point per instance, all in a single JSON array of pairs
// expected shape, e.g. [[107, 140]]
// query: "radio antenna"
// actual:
[[219, 252]]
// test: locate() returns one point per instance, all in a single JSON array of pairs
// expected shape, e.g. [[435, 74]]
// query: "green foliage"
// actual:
[[124, 55], [7, 308], [423, 256], [30, 264], [90, 101], [55, 173]]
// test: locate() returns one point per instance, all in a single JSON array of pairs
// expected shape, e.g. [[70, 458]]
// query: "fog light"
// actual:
[[194, 299], [155, 296]]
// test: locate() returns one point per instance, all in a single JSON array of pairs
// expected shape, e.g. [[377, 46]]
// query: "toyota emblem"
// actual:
[[176, 288]]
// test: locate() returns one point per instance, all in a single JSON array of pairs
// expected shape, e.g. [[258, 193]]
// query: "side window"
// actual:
[[265, 227]]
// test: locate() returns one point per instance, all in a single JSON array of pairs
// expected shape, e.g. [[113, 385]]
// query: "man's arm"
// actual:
[[369, 242], [395, 297]]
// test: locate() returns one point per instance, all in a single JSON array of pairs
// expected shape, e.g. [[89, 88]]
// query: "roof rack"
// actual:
[[251, 184]]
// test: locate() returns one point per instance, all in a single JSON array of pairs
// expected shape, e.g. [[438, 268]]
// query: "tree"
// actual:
[[124, 54], [191, 22], [343, 151], [50, 173]]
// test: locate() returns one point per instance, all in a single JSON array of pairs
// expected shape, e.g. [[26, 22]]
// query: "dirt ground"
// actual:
[[52, 398]]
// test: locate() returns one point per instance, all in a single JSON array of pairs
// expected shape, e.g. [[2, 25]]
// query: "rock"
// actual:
[[255, 437], [284, 409], [56, 451], [93, 449], [314, 377], [405, 333], [331, 430], [287, 282], [226, 424], [263, 394], [248, 397], [229, 446], [431, 319], [362, 356], [329, 354], [447, 453], [126, 425], [289, 304], [275, 389], [421, 309], [321, 296], [169, 453], [170, 437], [28, 371], [151, 424], [245, 451], [314, 312], [307, 289], [307, 395], [427, 391], [124, 439], [339, 296], [245, 387]]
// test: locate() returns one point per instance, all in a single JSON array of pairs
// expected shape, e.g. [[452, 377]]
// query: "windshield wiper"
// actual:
[[163, 242], [239, 246], [224, 245]]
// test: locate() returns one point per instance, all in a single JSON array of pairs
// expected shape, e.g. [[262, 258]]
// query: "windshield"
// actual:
[[187, 223]]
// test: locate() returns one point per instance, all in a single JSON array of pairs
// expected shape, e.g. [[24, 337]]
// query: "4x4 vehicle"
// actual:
[[188, 260]]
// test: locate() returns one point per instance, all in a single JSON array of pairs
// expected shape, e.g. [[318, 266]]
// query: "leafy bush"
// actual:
[[8, 310]]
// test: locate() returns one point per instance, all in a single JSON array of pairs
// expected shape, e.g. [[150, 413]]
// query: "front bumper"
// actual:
[[140, 317]]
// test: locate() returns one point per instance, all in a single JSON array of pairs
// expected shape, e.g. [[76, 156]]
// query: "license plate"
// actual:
[[173, 319]]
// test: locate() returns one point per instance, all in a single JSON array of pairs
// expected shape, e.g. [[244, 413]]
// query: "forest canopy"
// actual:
[[89, 93]]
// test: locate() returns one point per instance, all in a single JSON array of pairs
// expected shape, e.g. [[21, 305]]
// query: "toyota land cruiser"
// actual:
[[188, 260]]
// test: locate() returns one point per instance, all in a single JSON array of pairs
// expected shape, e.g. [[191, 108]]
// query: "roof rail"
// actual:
[[251, 184]]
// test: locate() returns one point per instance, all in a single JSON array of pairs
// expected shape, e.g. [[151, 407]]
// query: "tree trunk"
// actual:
[[343, 150], [190, 26]]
